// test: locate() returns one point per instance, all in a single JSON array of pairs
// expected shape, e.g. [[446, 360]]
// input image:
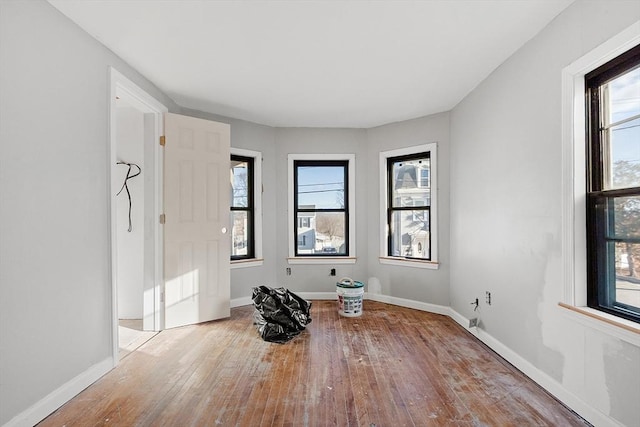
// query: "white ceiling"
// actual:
[[314, 63]]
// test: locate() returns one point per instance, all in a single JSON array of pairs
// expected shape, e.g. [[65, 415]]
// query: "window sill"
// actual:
[[322, 260], [245, 263], [623, 329], [409, 262]]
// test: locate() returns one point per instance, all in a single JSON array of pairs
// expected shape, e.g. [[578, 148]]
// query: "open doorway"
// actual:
[[136, 198]]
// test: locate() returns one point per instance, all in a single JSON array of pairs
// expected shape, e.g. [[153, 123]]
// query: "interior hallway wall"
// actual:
[[130, 244], [506, 218], [55, 308]]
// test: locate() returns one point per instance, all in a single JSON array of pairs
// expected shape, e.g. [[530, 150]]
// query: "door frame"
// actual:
[[122, 87]]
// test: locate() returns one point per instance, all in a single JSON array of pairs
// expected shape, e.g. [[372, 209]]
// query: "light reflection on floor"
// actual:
[[131, 336]]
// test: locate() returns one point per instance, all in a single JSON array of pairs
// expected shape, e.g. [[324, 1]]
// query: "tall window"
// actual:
[[409, 206], [242, 208], [321, 207], [613, 186]]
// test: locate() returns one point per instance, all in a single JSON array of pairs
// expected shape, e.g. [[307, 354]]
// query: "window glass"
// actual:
[[411, 183], [620, 103], [613, 193], [240, 233], [321, 186], [626, 217], [409, 206], [624, 96], [242, 208], [321, 211], [239, 183], [627, 274], [410, 234]]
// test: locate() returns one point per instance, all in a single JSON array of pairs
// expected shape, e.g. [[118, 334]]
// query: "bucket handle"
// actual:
[[346, 281]]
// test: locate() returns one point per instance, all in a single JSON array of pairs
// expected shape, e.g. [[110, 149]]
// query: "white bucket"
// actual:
[[350, 296]]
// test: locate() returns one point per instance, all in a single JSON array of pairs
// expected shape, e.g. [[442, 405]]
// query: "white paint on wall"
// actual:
[[507, 222], [55, 277], [130, 244]]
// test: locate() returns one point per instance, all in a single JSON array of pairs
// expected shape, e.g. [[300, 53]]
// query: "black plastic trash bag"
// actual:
[[279, 314]]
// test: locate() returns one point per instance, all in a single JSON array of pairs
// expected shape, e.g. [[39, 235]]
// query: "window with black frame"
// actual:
[[409, 206], [242, 208], [613, 186], [321, 208]]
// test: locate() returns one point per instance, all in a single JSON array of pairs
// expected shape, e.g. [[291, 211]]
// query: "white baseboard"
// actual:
[[423, 306], [310, 296], [51, 402], [239, 302], [572, 401]]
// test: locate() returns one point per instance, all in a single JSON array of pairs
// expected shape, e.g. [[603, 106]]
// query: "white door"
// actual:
[[196, 238]]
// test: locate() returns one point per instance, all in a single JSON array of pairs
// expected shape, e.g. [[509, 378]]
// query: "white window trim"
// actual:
[[351, 256], [574, 238], [257, 195], [432, 264]]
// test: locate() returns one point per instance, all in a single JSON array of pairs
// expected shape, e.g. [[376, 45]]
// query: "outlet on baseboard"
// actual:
[[473, 322]]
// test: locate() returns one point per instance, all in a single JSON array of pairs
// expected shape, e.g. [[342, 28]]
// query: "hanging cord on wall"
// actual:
[[126, 187]]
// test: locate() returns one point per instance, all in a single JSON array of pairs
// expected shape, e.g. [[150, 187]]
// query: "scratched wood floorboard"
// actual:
[[392, 366]]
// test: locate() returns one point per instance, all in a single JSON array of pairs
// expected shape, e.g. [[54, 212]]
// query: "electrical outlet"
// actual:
[[333, 272], [488, 297], [473, 322], [288, 271]]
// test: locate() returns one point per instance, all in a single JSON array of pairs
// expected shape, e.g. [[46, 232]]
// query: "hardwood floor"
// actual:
[[392, 366]]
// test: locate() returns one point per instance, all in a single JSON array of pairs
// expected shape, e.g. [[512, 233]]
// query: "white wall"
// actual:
[[55, 304], [506, 223], [416, 284], [130, 245]]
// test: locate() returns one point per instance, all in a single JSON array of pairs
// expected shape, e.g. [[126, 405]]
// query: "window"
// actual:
[[408, 206], [613, 186], [408, 233], [246, 217], [321, 208], [242, 215], [321, 214]]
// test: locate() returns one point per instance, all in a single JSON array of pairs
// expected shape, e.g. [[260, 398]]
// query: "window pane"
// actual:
[[239, 233], [321, 233], [410, 234], [411, 183], [624, 96], [626, 217], [628, 274], [239, 184], [320, 187], [624, 140]]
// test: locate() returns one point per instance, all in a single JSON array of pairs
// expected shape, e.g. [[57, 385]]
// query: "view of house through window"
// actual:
[[613, 212], [242, 212], [320, 204], [409, 204]]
